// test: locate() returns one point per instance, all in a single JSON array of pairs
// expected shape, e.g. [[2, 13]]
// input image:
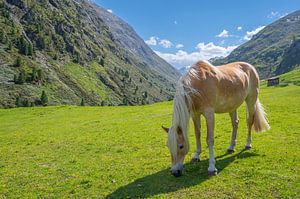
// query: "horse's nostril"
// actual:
[[177, 173]]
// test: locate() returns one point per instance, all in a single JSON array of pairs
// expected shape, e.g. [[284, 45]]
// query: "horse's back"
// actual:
[[224, 87]]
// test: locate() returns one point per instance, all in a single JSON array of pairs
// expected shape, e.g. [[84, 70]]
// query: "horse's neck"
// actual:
[[181, 113]]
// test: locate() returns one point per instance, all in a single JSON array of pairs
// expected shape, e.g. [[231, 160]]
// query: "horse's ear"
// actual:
[[165, 129]]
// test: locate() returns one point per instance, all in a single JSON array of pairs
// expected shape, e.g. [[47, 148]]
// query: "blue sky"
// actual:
[[184, 31]]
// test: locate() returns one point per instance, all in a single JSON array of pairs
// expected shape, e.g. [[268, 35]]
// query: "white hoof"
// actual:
[[196, 158]]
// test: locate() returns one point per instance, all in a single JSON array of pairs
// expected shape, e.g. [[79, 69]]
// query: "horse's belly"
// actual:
[[227, 104]]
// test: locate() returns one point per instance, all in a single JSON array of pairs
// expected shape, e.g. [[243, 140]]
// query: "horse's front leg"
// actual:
[[197, 126], [210, 123]]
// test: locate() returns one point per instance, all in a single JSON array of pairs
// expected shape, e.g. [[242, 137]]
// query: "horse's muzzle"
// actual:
[[177, 170], [177, 173]]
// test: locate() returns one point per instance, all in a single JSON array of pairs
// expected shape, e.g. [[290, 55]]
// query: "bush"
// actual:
[[283, 84], [297, 83]]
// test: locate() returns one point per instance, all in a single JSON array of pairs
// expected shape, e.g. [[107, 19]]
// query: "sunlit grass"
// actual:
[[120, 152]]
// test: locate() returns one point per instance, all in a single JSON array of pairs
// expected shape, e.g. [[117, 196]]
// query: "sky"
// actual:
[[183, 32]]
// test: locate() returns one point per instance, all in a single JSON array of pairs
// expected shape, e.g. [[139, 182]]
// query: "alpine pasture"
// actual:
[[120, 152]]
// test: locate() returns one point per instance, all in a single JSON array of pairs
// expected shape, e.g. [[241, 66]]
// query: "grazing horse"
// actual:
[[205, 90]]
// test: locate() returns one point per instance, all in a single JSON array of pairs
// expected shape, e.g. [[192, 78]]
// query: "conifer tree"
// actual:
[[82, 102], [44, 98]]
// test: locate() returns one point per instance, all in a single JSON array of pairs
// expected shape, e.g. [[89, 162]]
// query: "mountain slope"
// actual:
[[125, 35], [274, 50], [71, 50]]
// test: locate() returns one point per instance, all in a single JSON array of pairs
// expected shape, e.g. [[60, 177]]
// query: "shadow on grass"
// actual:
[[164, 182]]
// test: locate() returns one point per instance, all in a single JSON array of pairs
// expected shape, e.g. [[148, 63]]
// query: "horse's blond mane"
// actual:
[[182, 108]]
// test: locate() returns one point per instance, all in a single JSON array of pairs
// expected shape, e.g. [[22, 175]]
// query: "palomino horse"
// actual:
[[206, 90]]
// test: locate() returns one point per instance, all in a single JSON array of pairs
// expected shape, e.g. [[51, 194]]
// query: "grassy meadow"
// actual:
[[120, 152]]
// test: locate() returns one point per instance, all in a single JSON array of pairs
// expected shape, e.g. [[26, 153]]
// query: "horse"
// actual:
[[205, 90]]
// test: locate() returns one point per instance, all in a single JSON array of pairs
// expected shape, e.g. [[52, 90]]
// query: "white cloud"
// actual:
[[109, 10], [165, 43], [152, 41], [211, 50], [179, 46], [250, 34], [204, 51], [223, 34], [275, 14], [239, 28]]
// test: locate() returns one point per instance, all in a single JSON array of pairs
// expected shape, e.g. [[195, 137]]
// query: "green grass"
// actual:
[[86, 77], [120, 152], [291, 77]]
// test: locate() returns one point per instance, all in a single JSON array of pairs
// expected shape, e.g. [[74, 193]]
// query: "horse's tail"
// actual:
[[260, 121]]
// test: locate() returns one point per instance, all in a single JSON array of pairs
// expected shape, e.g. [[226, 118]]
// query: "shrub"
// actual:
[[297, 83], [283, 84]]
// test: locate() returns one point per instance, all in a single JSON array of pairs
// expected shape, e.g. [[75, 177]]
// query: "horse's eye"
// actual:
[[181, 146]]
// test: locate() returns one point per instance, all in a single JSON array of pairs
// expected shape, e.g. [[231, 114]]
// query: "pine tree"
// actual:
[[39, 75], [125, 101], [9, 46], [1, 36], [25, 49], [18, 62], [26, 103], [82, 102], [15, 79], [18, 102], [21, 77], [44, 98], [34, 75], [145, 94], [101, 62], [30, 49], [126, 74]]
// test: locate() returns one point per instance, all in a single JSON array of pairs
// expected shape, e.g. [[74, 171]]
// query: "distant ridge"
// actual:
[[274, 50]]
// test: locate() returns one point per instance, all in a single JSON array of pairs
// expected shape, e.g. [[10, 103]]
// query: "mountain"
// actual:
[[183, 70], [274, 50], [76, 51]]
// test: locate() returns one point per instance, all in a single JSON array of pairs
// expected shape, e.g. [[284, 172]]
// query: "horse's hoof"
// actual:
[[195, 160], [213, 173], [230, 151], [248, 147]]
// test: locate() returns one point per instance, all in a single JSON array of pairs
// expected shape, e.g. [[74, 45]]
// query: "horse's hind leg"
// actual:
[[197, 126], [235, 123], [250, 101]]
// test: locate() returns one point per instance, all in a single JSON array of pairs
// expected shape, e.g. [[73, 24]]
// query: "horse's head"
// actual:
[[178, 147]]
